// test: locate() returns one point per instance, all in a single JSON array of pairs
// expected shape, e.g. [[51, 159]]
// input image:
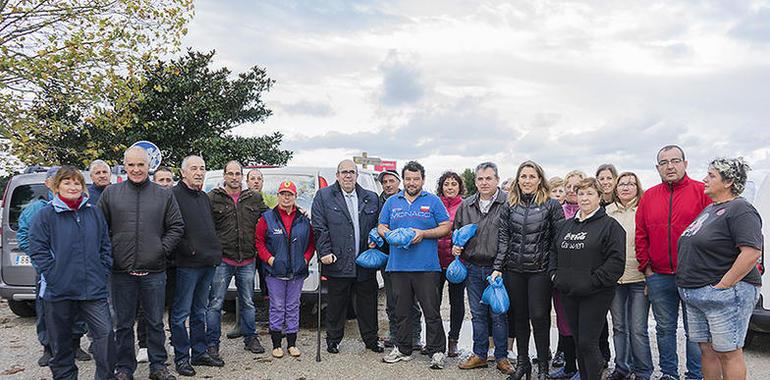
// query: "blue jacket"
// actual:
[[333, 229], [25, 221], [94, 193], [71, 248], [289, 251]]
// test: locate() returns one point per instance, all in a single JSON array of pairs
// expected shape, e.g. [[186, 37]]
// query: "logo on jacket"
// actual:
[[277, 231], [424, 208]]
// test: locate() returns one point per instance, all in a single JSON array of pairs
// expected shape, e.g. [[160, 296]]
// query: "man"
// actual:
[[145, 226], [483, 209], [196, 257], [391, 181], [99, 172], [255, 180], [22, 236], [664, 212], [236, 213], [415, 271], [343, 214], [164, 177]]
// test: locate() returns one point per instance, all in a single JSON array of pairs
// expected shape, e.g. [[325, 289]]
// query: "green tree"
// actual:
[[469, 179]]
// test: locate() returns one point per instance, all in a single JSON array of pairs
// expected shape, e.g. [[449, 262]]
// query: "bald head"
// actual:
[[136, 162], [347, 174]]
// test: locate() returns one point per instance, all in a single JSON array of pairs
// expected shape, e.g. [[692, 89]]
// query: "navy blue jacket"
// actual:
[[289, 251], [333, 228], [94, 193], [71, 248]]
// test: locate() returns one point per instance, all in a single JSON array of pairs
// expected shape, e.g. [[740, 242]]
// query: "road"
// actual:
[[20, 351]]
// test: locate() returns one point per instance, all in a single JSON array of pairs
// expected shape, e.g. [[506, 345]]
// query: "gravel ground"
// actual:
[[18, 357]]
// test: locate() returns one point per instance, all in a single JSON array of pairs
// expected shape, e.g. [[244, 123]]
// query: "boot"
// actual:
[[542, 370], [523, 369], [452, 350]]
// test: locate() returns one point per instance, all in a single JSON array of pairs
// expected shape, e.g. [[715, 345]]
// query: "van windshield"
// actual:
[[23, 196]]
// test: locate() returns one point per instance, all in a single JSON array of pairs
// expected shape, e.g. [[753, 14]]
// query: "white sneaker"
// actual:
[[437, 361], [141, 356], [396, 356]]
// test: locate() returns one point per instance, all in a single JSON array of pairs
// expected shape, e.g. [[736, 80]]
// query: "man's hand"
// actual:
[[271, 260], [648, 271], [328, 259], [495, 274], [418, 235], [456, 250]]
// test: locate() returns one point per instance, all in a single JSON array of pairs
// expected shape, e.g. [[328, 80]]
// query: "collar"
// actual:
[[595, 214], [184, 186], [60, 206], [140, 184], [678, 184], [281, 211], [449, 202]]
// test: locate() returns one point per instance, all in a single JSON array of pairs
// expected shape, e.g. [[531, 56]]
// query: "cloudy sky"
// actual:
[[568, 84]]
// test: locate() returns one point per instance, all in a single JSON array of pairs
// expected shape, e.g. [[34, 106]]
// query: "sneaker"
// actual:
[[162, 374], [437, 361], [294, 351], [43, 361], [277, 353], [141, 356], [558, 360], [561, 373], [81, 355], [254, 345], [396, 356]]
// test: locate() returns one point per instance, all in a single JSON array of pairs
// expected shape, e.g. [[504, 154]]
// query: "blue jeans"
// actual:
[[244, 282], [62, 316], [481, 315], [665, 301], [191, 298], [127, 292], [630, 310]]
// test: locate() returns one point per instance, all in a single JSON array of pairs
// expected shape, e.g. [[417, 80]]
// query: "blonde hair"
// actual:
[[555, 182], [575, 173], [590, 183], [639, 188], [542, 194]]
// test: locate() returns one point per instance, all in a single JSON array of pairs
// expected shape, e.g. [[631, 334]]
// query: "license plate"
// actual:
[[23, 260]]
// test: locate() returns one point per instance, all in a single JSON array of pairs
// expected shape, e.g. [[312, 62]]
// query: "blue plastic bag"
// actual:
[[456, 271], [496, 296], [400, 237], [372, 259], [375, 237], [461, 235]]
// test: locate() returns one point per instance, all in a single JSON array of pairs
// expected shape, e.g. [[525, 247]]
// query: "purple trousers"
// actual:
[[284, 303], [561, 316]]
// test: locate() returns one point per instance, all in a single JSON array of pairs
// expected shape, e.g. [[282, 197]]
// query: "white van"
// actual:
[[760, 318]]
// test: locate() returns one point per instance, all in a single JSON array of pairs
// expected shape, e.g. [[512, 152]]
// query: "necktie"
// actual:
[[353, 210]]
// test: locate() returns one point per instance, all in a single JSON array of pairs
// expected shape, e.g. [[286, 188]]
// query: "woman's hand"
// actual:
[[495, 274], [456, 250], [271, 260]]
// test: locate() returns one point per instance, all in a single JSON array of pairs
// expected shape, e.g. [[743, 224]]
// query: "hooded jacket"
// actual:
[[71, 249], [526, 235], [664, 212], [481, 250], [145, 225], [589, 255], [236, 223]]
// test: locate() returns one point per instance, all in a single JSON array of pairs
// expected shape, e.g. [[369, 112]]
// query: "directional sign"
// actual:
[[153, 151], [385, 165], [365, 160]]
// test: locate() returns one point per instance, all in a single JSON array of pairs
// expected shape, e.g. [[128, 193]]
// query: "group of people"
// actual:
[[589, 246]]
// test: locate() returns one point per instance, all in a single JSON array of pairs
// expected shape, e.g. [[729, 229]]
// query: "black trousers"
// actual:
[[422, 285], [456, 304], [339, 293], [530, 295], [587, 316]]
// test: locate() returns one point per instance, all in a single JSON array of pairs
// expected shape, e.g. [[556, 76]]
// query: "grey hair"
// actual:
[[137, 149], [187, 159], [735, 170], [96, 163], [344, 161], [253, 171], [487, 165]]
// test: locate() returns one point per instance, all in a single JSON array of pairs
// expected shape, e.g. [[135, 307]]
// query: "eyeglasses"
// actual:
[[347, 172], [673, 161], [627, 184], [231, 174]]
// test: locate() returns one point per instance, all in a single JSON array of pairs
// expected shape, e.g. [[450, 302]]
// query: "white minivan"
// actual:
[[760, 318]]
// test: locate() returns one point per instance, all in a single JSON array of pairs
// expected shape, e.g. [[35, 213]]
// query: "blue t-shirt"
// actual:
[[424, 213]]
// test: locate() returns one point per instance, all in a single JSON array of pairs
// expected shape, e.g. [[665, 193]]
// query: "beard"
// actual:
[[413, 192]]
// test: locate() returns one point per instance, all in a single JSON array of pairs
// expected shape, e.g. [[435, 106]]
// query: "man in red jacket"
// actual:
[[664, 212]]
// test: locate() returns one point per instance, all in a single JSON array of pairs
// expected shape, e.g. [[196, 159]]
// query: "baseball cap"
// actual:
[[391, 172], [51, 171], [287, 186]]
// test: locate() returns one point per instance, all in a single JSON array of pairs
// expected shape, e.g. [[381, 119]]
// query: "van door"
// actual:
[[16, 267]]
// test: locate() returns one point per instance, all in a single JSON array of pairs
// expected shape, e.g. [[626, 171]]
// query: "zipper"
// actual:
[[136, 232], [670, 216], [523, 235]]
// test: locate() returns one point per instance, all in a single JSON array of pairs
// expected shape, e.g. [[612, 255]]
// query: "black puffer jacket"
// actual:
[[524, 241]]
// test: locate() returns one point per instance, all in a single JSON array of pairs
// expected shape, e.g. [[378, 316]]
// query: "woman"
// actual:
[[70, 247], [630, 307], [606, 174], [589, 260], [450, 188], [527, 228], [565, 358], [717, 274], [286, 264], [556, 184]]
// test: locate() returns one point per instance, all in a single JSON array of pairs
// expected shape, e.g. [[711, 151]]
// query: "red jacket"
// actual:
[[445, 255], [664, 212]]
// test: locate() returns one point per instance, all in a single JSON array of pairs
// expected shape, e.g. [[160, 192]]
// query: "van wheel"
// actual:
[[749, 337], [23, 309]]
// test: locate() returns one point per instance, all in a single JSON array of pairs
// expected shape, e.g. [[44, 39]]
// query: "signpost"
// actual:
[[385, 165], [156, 157], [365, 160]]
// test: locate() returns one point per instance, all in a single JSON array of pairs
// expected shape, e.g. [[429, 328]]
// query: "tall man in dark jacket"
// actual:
[[236, 213], [483, 209], [145, 226], [196, 256], [343, 214]]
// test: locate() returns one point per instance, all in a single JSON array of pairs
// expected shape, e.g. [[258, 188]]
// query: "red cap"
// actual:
[[287, 186]]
